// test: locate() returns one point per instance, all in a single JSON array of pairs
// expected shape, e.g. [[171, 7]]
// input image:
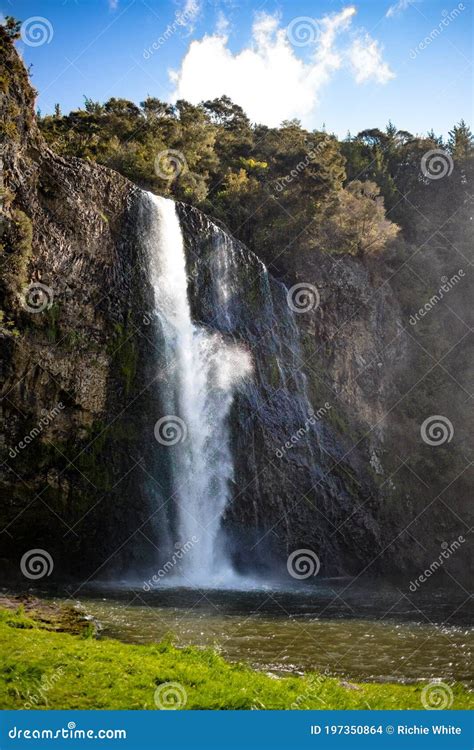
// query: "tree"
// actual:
[[122, 108], [461, 141], [91, 106], [438, 139], [358, 225], [155, 108], [374, 137], [223, 111], [12, 27]]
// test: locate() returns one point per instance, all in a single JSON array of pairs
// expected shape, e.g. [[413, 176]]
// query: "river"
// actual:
[[367, 633]]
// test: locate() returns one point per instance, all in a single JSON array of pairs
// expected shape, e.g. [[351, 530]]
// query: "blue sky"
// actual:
[[348, 65]]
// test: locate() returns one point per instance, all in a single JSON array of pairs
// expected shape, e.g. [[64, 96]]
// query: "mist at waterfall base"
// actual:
[[200, 370]]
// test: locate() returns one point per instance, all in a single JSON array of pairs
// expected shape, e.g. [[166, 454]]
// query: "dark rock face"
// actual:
[[71, 348], [384, 378], [295, 488]]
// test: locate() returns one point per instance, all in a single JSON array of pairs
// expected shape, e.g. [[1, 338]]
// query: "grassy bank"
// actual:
[[42, 667]]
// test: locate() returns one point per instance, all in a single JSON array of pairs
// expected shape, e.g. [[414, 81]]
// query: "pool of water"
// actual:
[[378, 633]]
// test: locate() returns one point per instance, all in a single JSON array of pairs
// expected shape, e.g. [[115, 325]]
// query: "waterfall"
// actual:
[[199, 372], [247, 466]]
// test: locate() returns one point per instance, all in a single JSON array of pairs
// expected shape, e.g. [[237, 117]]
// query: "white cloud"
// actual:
[[222, 25], [271, 78], [397, 8], [113, 4], [365, 55], [189, 13]]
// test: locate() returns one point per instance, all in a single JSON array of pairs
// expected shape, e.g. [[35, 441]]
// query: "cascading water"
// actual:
[[224, 412], [289, 460], [200, 372]]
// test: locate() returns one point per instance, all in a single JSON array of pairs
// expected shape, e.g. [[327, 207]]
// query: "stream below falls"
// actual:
[[368, 633]]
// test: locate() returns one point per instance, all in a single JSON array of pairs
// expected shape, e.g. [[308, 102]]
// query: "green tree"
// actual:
[[12, 27], [358, 225], [461, 141]]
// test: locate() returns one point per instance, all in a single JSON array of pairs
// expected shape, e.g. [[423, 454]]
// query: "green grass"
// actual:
[[44, 668]]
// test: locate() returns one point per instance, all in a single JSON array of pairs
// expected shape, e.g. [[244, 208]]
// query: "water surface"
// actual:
[[373, 633]]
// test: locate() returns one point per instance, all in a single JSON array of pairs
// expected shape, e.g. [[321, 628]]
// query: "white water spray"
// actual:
[[202, 371]]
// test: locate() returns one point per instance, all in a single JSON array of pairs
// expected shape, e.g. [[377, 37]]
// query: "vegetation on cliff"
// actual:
[[280, 190]]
